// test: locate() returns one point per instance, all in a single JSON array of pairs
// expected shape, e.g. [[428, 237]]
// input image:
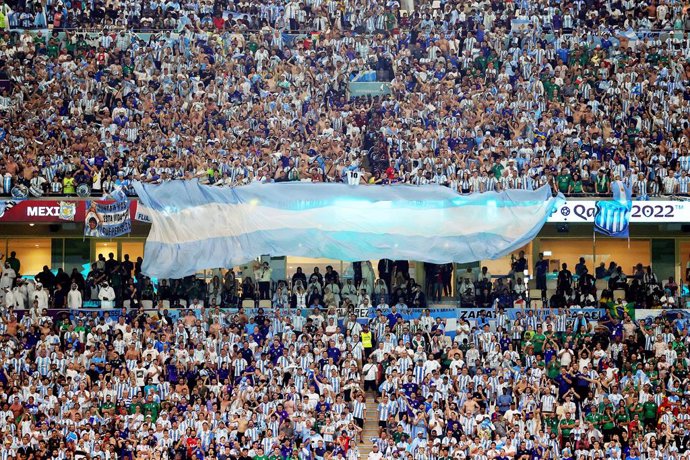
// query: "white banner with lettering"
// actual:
[[642, 212]]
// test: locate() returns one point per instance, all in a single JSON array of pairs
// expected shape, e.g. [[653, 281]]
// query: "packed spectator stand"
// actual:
[[331, 370], [478, 96]]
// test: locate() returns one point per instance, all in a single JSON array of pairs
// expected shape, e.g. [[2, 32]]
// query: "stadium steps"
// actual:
[[371, 428]]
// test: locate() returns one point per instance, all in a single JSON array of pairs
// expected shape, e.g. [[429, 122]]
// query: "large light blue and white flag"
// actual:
[[196, 227], [612, 218]]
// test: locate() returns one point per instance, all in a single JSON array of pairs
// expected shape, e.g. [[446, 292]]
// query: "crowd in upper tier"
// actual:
[[477, 96]]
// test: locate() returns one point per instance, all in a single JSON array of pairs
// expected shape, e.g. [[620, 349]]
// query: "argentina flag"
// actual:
[[196, 227], [612, 218]]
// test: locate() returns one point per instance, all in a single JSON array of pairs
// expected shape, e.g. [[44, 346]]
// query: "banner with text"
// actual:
[[107, 220], [583, 211], [447, 314], [670, 313], [142, 214], [471, 314], [53, 211]]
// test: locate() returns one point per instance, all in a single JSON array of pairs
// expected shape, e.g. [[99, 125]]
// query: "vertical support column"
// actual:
[[420, 275], [663, 258], [534, 256], [679, 269]]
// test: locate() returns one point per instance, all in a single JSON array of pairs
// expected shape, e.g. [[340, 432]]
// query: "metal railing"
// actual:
[[640, 34], [571, 197]]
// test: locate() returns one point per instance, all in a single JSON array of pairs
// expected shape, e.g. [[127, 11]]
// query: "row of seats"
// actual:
[[552, 284], [148, 304]]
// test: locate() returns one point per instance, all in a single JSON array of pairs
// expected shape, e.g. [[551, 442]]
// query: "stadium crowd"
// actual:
[[301, 380], [483, 96]]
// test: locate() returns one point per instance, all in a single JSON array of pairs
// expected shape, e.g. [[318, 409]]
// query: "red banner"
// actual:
[[48, 211]]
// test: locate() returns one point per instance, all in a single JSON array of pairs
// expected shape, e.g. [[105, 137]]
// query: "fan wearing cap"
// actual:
[[419, 442], [375, 454]]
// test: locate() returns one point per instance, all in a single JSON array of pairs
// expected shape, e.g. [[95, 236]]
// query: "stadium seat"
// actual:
[[535, 293], [248, 303], [265, 303], [536, 303], [601, 285]]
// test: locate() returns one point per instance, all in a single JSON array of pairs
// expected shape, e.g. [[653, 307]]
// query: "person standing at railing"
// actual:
[[106, 292], [8, 276], [41, 296], [263, 277], [291, 11], [5, 12]]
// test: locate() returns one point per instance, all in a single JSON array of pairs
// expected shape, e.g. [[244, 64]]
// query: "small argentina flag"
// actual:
[[116, 194]]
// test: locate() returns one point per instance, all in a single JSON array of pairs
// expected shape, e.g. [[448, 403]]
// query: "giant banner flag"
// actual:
[[196, 227]]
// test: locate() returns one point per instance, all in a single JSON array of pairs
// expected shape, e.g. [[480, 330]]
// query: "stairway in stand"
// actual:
[[371, 427]]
